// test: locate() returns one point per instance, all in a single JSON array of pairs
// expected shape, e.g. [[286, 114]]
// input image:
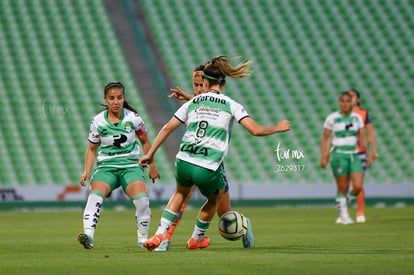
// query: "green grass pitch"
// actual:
[[287, 241]]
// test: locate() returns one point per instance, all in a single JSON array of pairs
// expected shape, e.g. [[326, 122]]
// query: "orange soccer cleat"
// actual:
[[193, 244], [153, 242]]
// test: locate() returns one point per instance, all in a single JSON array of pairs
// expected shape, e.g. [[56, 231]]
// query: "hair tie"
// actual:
[[218, 79]]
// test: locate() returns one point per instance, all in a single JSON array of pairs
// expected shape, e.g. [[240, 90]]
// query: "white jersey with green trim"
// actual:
[[345, 130], [209, 117], [118, 142]]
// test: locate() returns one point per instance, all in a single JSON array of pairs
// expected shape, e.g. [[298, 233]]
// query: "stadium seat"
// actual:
[[56, 53], [307, 84], [55, 56]]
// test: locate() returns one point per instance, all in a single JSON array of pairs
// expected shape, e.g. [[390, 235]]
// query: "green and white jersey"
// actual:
[[209, 117], [118, 143], [345, 130]]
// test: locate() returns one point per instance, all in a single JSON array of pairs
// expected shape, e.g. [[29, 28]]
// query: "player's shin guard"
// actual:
[[341, 204], [174, 225], [167, 219], [92, 212], [200, 229], [142, 216]]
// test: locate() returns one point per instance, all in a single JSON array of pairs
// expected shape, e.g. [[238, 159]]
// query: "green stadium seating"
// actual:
[[55, 58], [305, 53]]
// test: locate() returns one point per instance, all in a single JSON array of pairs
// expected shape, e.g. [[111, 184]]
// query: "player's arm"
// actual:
[[364, 145], [146, 145], [371, 140], [179, 94], [256, 129], [89, 161], [326, 145], [166, 130]]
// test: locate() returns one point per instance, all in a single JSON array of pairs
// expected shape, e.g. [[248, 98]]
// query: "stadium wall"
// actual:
[[247, 191]]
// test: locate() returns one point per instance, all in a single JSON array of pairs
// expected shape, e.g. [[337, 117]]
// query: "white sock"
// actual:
[[167, 219], [200, 229], [91, 213], [142, 217], [342, 205]]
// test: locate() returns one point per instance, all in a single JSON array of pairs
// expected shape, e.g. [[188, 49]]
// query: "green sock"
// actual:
[[200, 229], [167, 219]]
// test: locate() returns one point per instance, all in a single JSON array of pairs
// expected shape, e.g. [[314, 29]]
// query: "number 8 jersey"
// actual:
[[118, 143], [209, 117]]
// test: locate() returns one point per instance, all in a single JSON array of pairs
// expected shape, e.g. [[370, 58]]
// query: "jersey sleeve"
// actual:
[[360, 122], [139, 126], [238, 111], [328, 124], [93, 133], [182, 113]]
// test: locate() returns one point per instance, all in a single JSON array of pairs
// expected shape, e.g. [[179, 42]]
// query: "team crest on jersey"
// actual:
[[128, 127], [95, 135]]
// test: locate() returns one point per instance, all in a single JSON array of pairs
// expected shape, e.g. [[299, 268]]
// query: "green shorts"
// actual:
[[116, 177], [209, 182], [345, 164]]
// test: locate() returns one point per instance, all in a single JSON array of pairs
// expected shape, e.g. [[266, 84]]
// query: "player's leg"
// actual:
[[224, 205], [248, 238], [100, 188], [132, 181], [361, 207], [183, 176], [205, 215], [211, 185], [356, 179], [138, 193], [342, 183], [165, 244], [169, 216], [340, 167], [361, 196], [180, 214], [356, 175]]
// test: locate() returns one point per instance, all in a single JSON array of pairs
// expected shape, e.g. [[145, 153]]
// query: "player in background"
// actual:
[[224, 205], [366, 118], [346, 127], [113, 142], [209, 118], [198, 86]]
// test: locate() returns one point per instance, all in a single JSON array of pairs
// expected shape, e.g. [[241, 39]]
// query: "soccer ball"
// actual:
[[232, 225]]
